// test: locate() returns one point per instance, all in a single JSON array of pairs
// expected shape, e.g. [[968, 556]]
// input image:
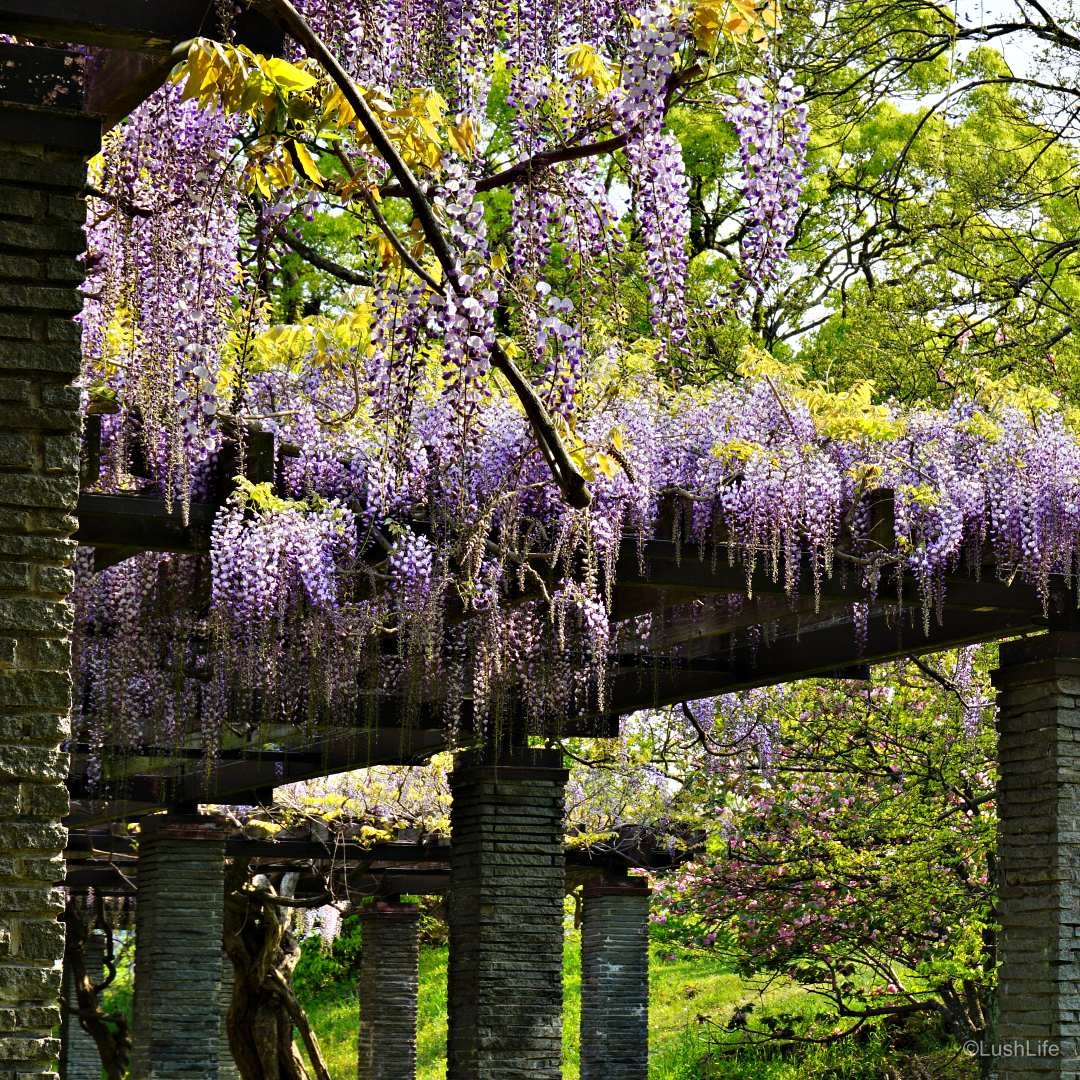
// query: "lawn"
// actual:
[[692, 998], [680, 991], [682, 1047]]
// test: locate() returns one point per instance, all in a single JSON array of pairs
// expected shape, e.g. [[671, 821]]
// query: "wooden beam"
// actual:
[[814, 652], [44, 77], [435, 850], [682, 571], [194, 753], [55, 128], [118, 81], [241, 782], [134, 42], [131, 524], [142, 25]]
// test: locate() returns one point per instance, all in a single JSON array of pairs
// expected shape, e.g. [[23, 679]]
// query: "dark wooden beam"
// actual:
[[436, 850], [683, 571], [134, 47], [43, 77], [248, 781], [50, 127], [194, 753], [128, 524], [140, 25], [817, 651], [118, 81]]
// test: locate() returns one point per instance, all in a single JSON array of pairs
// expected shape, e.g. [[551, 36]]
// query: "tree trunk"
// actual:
[[264, 1011], [108, 1030]]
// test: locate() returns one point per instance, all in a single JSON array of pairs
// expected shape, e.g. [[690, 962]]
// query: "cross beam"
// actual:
[[134, 49], [136, 25]]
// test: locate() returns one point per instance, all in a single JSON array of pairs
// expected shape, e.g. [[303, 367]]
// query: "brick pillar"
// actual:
[[79, 1057], [1038, 1007], [41, 214], [178, 933], [389, 984], [615, 981], [227, 1069], [507, 882]]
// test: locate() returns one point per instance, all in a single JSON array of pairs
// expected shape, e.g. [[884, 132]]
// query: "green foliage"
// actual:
[[692, 1002], [322, 966], [860, 863]]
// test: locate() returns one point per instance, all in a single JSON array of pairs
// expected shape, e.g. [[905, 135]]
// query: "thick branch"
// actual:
[[321, 262], [301, 1023], [533, 166], [566, 474], [108, 1030]]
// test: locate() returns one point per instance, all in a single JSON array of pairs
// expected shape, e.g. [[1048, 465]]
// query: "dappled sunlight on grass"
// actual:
[[692, 998]]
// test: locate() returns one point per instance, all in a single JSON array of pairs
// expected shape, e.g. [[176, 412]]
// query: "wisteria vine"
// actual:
[[412, 545]]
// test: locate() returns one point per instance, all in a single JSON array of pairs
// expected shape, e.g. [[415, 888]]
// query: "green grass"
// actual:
[[691, 999], [682, 1047], [679, 991], [334, 1014]]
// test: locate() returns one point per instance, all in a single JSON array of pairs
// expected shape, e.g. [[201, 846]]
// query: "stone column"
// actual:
[[227, 1069], [615, 981], [507, 882], [389, 984], [79, 1057], [178, 932], [41, 213], [1038, 1008]]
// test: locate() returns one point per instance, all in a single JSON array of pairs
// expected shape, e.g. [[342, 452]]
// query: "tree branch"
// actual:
[[532, 166], [566, 474], [321, 262]]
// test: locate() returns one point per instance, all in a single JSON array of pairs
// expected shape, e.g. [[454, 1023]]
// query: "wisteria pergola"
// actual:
[[507, 865]]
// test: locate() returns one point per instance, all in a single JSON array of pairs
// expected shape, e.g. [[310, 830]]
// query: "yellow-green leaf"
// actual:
[[307, 163], [286, 76]]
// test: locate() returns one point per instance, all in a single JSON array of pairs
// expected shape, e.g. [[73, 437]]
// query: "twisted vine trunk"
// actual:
[[108, 1030], [264, 1011]]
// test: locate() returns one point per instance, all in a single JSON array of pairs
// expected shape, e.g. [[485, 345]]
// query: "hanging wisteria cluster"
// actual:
[[413, 551], [162, 243], [770, 118], [486, 588]]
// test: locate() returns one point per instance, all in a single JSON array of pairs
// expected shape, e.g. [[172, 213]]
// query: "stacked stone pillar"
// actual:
[[41, 213], [615, 980], [227, 1069], [507, 882], [389, 984], [178, 958], [1038, 1008]]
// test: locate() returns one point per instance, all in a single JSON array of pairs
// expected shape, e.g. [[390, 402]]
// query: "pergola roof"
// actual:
[[133, 43], [697, 646], [701, 605]]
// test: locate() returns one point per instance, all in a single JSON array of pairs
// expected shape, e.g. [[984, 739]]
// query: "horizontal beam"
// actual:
[[131, 524], [113, 881], [250, 780], [194, 753], [380, 870], [81, 843], [814, 652], [135, 42], [140, 25], [681, 572], [41, 77], [664, 573], [46, 127]]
